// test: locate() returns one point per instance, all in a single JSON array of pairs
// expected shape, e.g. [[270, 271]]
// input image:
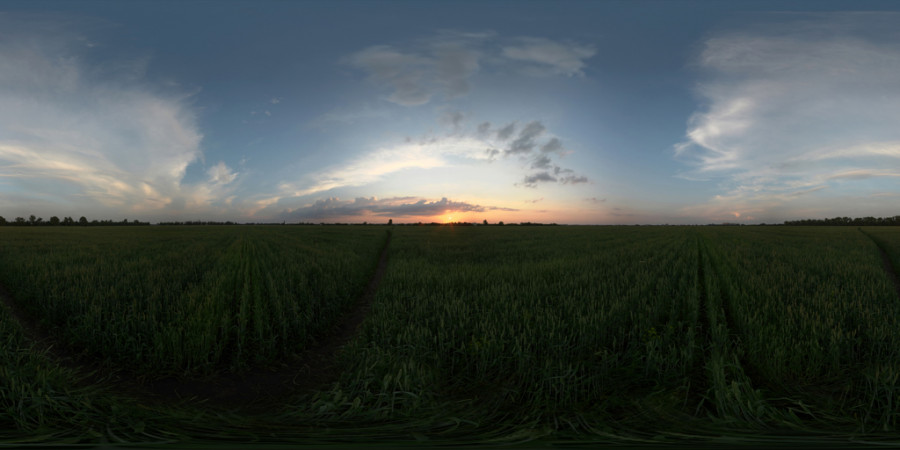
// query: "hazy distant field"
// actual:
[[477, 333]]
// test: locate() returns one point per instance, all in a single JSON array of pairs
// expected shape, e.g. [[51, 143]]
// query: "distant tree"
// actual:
[[39, 221], [500, 223], [390, 221], [83, 221], [32, 219], [2, 221], [68, 221], [20, 221], [485, 221], [54, 221]]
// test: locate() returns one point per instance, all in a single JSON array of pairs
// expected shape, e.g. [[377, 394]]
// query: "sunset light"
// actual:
[[447, 223], [490, 115]]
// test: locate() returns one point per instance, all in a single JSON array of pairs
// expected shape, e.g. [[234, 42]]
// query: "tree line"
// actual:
[[54, 221], [84, 222], [846, 221]]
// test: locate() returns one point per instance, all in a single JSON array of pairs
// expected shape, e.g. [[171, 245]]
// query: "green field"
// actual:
[[474, 335]]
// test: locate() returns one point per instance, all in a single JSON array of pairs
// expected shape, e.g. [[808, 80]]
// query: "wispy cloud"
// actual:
[[445, 63], [476, 145], [795, 105], [371, 167], [405, 73], [546, 57], [99, 137]]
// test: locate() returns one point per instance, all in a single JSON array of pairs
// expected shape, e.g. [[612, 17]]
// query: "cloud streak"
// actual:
[[792, 106], [545, 57], [96, 135], [398, 207], [479, 145], [444, 64]]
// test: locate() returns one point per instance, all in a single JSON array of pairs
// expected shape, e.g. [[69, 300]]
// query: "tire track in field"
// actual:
[[699, 374], [256, 390], [886, 261], [731, 379], [315, 368], [34, 332]]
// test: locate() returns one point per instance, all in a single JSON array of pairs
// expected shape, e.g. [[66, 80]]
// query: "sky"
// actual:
[[574, 112]]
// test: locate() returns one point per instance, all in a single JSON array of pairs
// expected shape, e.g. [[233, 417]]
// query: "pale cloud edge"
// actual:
[[791, 109], [98, 138]]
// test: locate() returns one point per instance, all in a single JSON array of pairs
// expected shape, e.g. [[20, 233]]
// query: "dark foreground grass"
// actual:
[[533, 338]]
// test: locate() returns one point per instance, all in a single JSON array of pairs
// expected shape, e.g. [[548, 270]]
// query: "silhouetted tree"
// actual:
[[485, 221], [390, 221], [68, 221], [32, 219], [20, 221], [2, 221], [83, 221], [54, 221]]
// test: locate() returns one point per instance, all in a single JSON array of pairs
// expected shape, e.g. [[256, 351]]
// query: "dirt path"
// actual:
[[256, 390], [885, 261], [33, 331]]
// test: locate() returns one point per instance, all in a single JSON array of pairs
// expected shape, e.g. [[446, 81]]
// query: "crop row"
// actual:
[[187, 300], [584, 328]]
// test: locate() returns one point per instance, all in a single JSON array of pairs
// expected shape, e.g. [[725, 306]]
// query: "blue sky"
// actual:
[[570, 112]]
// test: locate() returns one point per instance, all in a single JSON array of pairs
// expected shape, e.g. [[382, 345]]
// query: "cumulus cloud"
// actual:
[[400, 207], [526, 141], [445, 63], [573, 179], [554, 145], [221, 174], [540, 177], [541, 162], [507, 131], [92, 135], [792, 106]]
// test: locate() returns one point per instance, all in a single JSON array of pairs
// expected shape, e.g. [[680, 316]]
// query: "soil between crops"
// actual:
[[255, 390]]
